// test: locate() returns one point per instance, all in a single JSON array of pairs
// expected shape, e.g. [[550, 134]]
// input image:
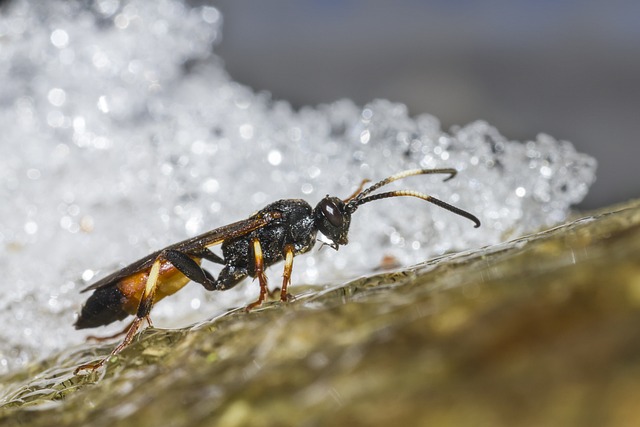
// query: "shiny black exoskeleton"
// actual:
[[280, 231], [295, 223]]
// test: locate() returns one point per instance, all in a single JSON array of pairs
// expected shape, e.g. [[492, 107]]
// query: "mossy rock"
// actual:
[[542, 330]]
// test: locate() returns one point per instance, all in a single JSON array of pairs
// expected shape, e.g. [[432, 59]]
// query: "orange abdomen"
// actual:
[[170, 281], [121, 299]]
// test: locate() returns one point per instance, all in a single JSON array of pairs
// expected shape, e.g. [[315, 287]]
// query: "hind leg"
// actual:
[[230, 276], [144, 308], [190, 268], [109, 337]]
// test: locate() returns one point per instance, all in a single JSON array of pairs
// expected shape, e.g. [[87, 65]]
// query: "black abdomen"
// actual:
[[104, 306]]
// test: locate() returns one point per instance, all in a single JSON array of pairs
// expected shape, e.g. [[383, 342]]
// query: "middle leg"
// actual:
[[286, 275], [259, 273]]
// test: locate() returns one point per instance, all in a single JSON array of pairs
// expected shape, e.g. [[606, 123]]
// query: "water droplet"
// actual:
[[57, 97], [59, 38], [274, 157]]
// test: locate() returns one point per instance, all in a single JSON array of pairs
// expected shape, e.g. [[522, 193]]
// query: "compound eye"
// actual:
[[332, 213]]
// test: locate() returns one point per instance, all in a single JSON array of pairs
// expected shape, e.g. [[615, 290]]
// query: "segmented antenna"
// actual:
[[362, 196]]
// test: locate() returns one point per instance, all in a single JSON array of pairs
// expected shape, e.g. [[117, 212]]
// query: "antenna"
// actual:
[[361, 197]]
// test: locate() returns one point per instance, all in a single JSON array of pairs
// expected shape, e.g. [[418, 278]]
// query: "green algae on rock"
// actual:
[[541, 330]]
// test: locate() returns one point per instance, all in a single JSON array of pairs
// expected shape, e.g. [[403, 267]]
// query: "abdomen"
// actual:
[[121, 299], [104, 306]]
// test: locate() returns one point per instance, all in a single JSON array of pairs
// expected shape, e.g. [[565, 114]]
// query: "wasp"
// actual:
[[280, 231]]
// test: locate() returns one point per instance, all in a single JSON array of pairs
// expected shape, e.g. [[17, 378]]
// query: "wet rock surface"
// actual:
[[542, 330]]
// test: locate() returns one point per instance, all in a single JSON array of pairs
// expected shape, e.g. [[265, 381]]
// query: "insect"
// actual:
[[280, 231]]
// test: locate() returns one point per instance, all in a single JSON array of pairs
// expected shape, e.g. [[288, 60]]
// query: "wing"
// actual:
[[208, 239], [220, 234]]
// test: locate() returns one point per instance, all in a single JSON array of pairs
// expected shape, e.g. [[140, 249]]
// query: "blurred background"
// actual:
[[567, 68]]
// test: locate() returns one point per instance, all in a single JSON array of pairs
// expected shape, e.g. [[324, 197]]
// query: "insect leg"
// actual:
[[146, 302], [187, 266], [116, 335], [286, 275], [207, 254], [259, 272]]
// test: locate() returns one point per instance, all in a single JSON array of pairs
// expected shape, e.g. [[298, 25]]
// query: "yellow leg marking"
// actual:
[[152, 280], [260, 274], [286, 275]]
